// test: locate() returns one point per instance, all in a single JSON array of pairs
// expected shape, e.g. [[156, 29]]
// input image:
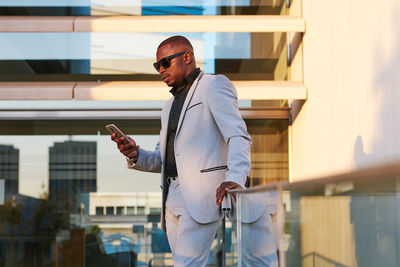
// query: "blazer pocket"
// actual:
[[194, 105], [223, 167]]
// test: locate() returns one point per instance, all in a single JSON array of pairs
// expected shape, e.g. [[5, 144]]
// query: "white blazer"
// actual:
[[211, 146]]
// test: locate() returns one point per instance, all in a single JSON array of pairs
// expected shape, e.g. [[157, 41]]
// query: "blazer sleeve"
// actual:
[[149, 161], [222, 102]]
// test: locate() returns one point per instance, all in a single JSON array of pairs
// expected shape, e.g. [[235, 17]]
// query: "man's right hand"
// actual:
[[126, 147]]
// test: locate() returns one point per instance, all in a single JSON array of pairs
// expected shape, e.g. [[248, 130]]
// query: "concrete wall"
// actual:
[[352, 70]]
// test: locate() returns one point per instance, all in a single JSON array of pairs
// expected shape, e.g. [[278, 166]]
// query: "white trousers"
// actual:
[[189, 240], [259, 247]]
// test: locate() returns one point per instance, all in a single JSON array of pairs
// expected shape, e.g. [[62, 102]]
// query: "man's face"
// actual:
[[174, 74]]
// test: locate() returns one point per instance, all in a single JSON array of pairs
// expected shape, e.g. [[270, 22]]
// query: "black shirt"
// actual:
[[180, 93]]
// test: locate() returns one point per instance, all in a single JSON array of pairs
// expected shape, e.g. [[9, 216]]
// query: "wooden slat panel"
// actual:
[[327, 230], [36, 24], [242, 23], [36, 90]]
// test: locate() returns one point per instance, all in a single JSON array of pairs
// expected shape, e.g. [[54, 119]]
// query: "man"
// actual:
[[203, 151]]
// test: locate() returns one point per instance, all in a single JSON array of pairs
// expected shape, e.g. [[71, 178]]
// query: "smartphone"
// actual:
[[114, 129]]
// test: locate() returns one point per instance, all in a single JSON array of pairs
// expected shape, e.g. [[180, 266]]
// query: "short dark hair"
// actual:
[[175, 40]]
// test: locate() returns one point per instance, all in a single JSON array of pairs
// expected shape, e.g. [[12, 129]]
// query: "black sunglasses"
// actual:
[[166, 61]]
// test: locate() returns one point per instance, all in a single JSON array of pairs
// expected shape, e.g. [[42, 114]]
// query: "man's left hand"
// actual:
[[223, 188]]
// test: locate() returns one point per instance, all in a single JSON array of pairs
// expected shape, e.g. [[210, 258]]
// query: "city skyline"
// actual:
[[113, 176]]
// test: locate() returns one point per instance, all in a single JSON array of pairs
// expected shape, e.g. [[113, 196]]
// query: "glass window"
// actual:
[[130, 210], [129, 56], [120, 210], [155, 210], [140, 210], [99, 210], [109, 210], [53, 168], [144, 7]]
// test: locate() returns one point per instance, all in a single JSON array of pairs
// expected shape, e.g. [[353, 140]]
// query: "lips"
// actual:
[[164, 77]]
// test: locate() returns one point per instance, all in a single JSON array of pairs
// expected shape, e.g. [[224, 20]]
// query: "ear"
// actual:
[[188, 57]]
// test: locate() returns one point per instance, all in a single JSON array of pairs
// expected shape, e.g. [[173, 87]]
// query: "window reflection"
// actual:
[[129, 56], [66, 194], [143, 7]]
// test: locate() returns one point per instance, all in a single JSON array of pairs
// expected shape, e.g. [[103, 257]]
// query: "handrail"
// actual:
[[384, 171], [378, 179], [317, 255], [158, 258]]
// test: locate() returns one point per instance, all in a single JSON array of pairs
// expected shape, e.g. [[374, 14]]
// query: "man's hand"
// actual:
[[223, 188], [126, 147]]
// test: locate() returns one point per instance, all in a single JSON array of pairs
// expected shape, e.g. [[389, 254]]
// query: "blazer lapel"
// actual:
[[164, 123], [187, 102]]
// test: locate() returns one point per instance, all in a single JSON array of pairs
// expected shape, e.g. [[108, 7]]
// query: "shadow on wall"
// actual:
[[386, 146], [376, 217], [361, 158]]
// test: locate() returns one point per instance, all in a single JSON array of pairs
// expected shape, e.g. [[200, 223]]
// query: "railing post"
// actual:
[[223, 240], [239, 227], [280, 221], [313, 259]]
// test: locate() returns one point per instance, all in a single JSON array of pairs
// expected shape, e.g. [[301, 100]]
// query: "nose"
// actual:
[[161, 70]]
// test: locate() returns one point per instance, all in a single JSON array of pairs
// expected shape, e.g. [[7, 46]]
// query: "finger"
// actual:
[[221, 193], [220, 196], [124, 150], [130, 140], [217, 191], [234, 197], [130, 151], [114, 138], [127, 140], [128, 146]]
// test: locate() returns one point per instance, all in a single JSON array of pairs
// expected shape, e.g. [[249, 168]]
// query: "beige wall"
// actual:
[[352, 70]]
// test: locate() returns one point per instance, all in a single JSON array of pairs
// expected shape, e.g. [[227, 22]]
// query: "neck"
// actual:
[[190, 69]]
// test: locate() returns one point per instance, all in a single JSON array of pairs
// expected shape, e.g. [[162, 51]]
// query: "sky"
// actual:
[[112, 173]]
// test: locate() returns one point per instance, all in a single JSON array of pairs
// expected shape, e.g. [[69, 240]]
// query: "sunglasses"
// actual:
[[166, 61]]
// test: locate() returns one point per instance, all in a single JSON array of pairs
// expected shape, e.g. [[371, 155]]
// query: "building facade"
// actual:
[[318, 88]]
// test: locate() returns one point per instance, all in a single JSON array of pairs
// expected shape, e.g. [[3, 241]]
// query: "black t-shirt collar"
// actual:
[[187, 80]]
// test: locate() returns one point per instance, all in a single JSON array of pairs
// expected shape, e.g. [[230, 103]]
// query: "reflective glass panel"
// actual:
[[130, 56], [344, 220], [140, 7], [67, 196]]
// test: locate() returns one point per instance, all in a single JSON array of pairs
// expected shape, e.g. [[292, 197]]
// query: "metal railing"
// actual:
[[348, 215]]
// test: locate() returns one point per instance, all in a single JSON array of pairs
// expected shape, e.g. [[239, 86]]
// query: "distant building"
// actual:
[[128, 221], [9, 169], [123, 210], [72, 173]]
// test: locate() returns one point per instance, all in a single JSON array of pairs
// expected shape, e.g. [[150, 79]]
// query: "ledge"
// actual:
[[36, 90], [242, 23], [176, 23], [247, 90], [150, 90], [36, 24]]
